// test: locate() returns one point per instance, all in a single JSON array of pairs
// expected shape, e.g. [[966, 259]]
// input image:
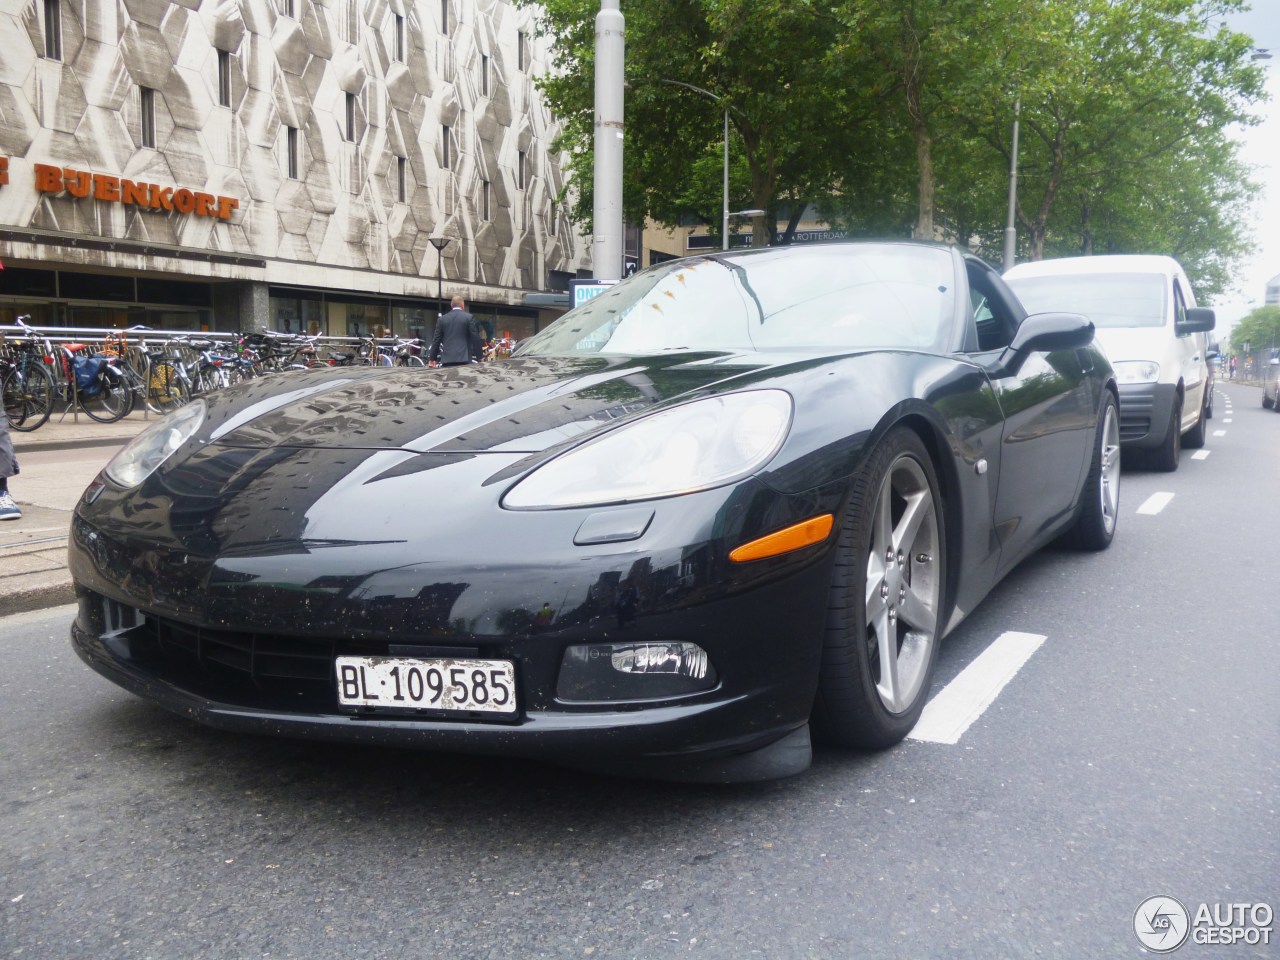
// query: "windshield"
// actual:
[[1108, 299], [826, 298]]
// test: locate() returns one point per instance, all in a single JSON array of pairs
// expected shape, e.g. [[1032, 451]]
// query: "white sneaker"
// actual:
[[8, 508]]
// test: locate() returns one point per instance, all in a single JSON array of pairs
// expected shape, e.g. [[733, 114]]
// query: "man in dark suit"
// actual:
[[457, 340]]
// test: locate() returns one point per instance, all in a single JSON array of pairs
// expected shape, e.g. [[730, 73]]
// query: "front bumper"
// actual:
[[1146, 410]]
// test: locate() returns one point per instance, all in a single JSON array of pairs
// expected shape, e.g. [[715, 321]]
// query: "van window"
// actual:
[[1108, 299]]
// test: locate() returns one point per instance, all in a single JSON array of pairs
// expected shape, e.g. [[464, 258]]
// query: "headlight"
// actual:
[[154, 445], [1136, 371], [695, 446]]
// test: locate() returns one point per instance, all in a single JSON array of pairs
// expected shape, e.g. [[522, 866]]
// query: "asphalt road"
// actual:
[[1136, 752]]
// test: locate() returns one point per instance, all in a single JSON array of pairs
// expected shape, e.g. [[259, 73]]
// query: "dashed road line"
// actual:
[[1155, 503], [962, 701], [1219, 433], [1200, 455]]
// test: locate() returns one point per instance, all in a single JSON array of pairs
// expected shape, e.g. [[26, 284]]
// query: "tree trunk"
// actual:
[[924, 159]]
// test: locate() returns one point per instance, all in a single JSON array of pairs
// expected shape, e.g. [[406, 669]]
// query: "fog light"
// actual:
[[633, 671]]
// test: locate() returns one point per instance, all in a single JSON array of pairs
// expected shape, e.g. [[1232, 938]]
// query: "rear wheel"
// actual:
[[166, 390], [884, 620], [1100, 500], [113, 399]]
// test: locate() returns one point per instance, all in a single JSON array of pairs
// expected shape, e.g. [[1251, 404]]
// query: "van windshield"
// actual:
[[1108, 299]]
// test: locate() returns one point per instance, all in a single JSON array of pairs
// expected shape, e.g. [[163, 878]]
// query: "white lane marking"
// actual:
[[1155, 503], [1219, 433], [1227, 420], [1200, 455], [948, 715]]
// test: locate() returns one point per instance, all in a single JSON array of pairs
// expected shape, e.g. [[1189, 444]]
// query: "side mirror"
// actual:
[[1043, 333], [1199, 320]]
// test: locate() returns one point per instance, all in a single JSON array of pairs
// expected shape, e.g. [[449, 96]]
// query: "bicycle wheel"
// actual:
[[28, 396], [112, 401], [166, 390]]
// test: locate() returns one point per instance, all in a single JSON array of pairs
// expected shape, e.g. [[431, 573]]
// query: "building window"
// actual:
[[53, 29], [444, 17], [484, 74], [402, 179], [446, 155], [286, 8], [522, 52], [291, 152], [520, 169], [399, 38], [224, 78], [351, 21], [350, 131], [147, 103], [484, 200]]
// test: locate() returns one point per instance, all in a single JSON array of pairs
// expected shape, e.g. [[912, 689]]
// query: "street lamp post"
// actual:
[[440, 243], [737, 213], [1010, 230], [724, 220]]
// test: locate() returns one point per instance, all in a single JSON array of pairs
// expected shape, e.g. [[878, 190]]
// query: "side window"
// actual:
[[993, 323], [1179, 304]]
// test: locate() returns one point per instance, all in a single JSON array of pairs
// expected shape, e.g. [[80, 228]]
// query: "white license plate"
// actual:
[[413, 683]]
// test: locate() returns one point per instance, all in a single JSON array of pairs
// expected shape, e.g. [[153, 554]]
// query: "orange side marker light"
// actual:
[[803, 534]]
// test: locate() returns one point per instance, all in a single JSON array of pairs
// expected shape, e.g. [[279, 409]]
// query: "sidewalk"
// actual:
[[57, 461]]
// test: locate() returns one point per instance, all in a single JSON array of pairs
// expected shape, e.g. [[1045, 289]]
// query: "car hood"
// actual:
[[1134, 343], [524, 405]]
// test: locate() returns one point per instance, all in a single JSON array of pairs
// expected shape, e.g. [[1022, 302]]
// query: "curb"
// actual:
[[77, 444], [39, 598]]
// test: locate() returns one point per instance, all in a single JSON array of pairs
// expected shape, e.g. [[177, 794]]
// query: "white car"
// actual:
[[1147, 321], [1271, 385]]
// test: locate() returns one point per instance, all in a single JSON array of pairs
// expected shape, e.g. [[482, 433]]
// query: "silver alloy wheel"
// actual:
[[1110, 472], [903, 585]]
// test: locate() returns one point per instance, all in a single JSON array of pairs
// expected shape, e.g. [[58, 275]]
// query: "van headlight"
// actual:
[[694, 446], [154, 445], [1136, 371]]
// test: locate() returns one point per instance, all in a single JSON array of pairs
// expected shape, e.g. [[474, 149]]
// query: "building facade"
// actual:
[[290, 165]]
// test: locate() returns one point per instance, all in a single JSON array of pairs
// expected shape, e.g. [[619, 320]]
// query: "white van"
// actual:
[[1146, 319]]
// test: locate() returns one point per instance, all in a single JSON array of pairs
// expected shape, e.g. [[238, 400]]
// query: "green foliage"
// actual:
[[893, 117], [1260, 329]]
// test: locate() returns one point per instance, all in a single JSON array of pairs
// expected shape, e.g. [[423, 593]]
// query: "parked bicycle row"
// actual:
[[107, 378]]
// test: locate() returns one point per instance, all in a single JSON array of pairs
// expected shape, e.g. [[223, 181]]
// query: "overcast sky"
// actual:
[[1261, 149]]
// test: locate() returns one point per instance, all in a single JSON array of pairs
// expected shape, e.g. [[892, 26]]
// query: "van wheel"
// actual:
[[1194, 439], [1165, 457]]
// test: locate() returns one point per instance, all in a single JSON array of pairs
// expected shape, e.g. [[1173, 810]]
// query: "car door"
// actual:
[[1049, 421], [1191, 355]]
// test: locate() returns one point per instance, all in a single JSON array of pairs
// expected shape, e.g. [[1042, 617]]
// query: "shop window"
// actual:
[[147, 105], [224, 78], [53, 29]]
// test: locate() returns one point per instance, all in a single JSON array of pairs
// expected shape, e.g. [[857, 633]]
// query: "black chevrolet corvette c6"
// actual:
[[734, 498]]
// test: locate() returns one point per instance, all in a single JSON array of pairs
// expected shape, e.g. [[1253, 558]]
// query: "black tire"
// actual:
[[1165, 457], [1266, 401], [166, 390], [113, 399], [1194, 438], [28, 396], [857, 704], [1099, 506]]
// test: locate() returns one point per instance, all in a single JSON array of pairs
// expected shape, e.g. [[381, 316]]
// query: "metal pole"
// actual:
[[439, 282], [1010, 231], [724, 223], [607, 214]]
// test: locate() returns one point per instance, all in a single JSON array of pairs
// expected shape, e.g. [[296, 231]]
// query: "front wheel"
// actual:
[[166, 390], [28, 396], [885, 615], [1165, 457], [1195, 437]]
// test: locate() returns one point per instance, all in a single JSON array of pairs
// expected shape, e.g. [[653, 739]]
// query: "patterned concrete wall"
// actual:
[[330, 63]]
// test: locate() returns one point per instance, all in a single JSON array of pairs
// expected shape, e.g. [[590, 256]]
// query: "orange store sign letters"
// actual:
[[104, 186]]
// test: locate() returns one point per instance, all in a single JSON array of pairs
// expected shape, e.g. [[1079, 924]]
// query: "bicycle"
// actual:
[[96, 384], [151, 376], [26, 383]]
